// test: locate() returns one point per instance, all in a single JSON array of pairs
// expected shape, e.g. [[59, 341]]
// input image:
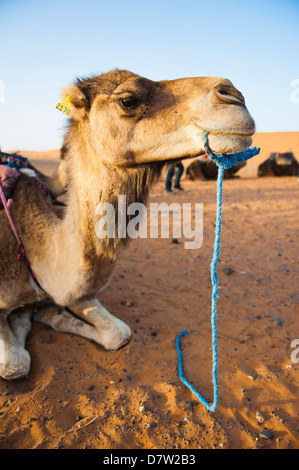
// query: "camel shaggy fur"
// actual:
[[123, 130]]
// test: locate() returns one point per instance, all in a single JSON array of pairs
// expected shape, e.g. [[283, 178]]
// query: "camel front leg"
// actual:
[[20, 322], [14, 359], [112, 333], [60, 319]]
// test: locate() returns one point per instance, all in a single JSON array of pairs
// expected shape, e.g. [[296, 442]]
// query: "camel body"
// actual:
[[123, 130]]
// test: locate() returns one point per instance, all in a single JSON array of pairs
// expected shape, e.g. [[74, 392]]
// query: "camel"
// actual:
[[123, 130], [208, 170], [279, 164]]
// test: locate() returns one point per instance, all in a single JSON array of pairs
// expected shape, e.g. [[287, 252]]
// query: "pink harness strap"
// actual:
[[9, 216]]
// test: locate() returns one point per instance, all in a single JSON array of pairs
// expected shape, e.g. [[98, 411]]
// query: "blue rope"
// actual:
[[224, 162]]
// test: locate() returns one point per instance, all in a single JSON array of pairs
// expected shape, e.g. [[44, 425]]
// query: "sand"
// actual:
[[78, 395]]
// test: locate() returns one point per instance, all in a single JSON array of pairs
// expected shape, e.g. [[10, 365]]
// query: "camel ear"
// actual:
[[76, 100]]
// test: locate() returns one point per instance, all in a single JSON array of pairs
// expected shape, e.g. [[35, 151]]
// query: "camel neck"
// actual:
[[97, 184], [69, 246]]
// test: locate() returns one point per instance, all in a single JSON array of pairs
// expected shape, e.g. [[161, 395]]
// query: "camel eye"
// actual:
[[130, 103]]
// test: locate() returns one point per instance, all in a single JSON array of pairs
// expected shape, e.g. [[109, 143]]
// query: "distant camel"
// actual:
[[202, 170], [123, 130], [279, 164]]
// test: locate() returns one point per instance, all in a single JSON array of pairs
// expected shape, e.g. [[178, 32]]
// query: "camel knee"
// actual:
[[15, 363]]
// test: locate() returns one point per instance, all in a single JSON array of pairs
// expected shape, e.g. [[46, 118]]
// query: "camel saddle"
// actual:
[[8, 178], [9, 175]]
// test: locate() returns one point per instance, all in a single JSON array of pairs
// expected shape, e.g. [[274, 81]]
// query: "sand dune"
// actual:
[[79, 396]]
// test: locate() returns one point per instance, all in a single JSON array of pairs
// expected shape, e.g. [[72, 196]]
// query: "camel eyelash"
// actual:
[[130, 102]]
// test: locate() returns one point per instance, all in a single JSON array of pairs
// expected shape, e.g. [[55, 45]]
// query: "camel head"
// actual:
[[128, 120]]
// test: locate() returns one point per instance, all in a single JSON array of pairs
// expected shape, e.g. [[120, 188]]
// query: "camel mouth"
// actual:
[[230, 134], [223, 143], [220, 133]]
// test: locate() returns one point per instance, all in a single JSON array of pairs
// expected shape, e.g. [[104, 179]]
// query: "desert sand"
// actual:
[[78, 395]]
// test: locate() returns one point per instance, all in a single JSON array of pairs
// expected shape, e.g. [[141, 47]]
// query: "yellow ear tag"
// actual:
[[65, 106]]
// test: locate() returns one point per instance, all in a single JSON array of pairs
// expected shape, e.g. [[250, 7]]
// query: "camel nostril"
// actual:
[[232, 96]]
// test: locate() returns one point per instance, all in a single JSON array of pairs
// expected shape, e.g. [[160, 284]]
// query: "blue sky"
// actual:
[[46, 44]]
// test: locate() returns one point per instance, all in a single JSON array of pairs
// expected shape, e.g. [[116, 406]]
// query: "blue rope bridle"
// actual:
[[224, 162]]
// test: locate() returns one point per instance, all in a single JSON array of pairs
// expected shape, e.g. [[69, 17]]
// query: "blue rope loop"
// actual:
[[227, 161], [224, 162]]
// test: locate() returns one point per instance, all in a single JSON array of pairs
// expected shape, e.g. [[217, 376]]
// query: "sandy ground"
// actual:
[[80, 396]]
